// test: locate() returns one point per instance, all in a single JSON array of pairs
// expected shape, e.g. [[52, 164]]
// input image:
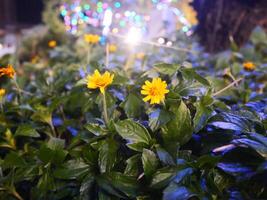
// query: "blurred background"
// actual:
[[218, 21], [20, 13]]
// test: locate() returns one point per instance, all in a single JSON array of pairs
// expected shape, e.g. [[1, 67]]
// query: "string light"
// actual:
[[118, 17], [134, 36], [161, 40]]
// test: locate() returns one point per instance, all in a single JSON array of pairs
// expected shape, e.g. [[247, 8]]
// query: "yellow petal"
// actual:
[[144, 92], [96, 73], [148, 83], [112, 77], [146, 98], [91, 85]]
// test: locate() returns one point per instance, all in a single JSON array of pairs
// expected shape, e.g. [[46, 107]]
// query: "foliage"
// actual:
[[203, 142]]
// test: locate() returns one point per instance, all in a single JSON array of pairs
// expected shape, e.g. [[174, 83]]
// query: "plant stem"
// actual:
[[107, 55], [16, 194], [105, 109], [53, 129], [129, 63], [227, 87], [17, 88], [88, 55], [1, 105], [164, 105]]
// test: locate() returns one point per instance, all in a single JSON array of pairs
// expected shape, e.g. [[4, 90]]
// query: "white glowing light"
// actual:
[[134, 36], [106, 30], [169, 43], [78, 9], [161, 40], [115, 30], [107, 18], [117, 15], [1, 46]]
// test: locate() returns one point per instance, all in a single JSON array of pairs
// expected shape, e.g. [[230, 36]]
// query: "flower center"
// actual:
[[100, 82], [154, 91]]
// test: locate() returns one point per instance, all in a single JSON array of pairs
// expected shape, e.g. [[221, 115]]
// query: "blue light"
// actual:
[[117, 4], [63, 12], [137, 18], [74, 22], [87, 7], [185, 29], [103, 40]]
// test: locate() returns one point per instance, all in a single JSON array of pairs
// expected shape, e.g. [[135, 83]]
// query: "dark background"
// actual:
[[20, 13]]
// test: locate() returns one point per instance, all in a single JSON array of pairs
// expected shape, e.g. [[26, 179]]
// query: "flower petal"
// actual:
[[147, 98]]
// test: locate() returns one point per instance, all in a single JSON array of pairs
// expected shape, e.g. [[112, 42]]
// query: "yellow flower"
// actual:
[[189, 13], [155, 91], [8, 71], [112, 48], [35, 59], [2, 93], [99, 81], [52, 43], [249, 66], [91, 38], [140, 56]]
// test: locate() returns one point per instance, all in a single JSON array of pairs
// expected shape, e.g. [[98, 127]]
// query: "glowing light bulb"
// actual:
[[134, 36], [115, 30], [161, 40], [169, 43], [107, 18]]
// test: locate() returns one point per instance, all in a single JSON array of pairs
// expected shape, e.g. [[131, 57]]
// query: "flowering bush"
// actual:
[[171, 131]]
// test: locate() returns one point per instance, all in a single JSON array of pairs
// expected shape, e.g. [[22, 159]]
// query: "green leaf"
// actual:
[[150, 162], [233, 121], [176, 192], [132, 166], [59, 156], [182, 173], [55, 156], [258, 35], [96, 129], [136, 135], [167, 69], [257, 146], [118, 184], [207, 161], [71, 170], [14, 160], [120, 78], [45, 154], [42, 114], [163, 177], [159, 118], [203, 114], [90, 156], [179, 130], [104, 196], [164, 156], [26, 130], [46, 182], [190, 74], [107, 155], [132, 106], [86, 186], [56, 143], [260, 138]]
